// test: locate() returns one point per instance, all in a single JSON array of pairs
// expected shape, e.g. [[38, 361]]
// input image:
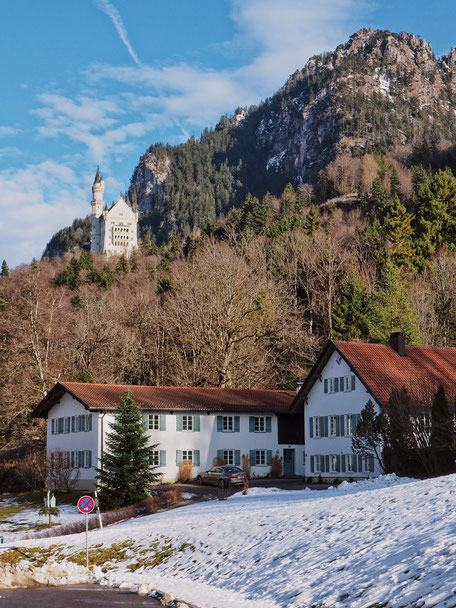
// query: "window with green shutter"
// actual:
[[252, 454]]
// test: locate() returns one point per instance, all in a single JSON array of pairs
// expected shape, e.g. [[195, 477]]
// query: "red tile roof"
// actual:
[[108, 396], [420, 371]]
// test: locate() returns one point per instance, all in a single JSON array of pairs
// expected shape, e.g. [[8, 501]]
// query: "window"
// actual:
[[187, 455], [81, 423], [154, 458], [333, 426], [317, 428], [342, 384], [350, 460], [259, 424], [347, 383], [228, 456], [260, 457], [315, 463], [334, 462], [228, 425], [187, 424], [154, 422], [348, 425]]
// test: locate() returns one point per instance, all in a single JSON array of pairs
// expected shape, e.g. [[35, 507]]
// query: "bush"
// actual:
[[276, 468], [26, 474], [218, 462], [185, 473], [246, 464]]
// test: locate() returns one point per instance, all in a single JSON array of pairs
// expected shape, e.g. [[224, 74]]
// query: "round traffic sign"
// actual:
[[86, 504]]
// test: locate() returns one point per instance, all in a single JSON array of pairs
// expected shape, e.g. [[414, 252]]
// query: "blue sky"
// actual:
[[88, 82]]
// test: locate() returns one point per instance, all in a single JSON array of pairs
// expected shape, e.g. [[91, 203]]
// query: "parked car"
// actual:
[[224, 476]]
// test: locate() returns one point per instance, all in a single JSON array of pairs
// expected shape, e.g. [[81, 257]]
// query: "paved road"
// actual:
[[74, 596]]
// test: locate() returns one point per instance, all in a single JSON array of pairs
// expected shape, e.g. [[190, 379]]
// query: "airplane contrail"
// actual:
[[116, 19]]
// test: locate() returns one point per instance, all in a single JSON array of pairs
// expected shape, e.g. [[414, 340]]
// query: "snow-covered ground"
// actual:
[[389, 540], [25, 516]]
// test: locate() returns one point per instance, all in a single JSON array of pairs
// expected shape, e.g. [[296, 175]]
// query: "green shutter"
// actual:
[[312, 464], [269, 457], [179, 423], [355, 464], [338, 464], [311, 427], [353, 383], [237, 458], [89, 459], [196, 423], [252, 458], [336, 385], [337, 426], [73, 424], [196, 457], [237, 425], [325, 385], [179, 457], [219, 424], [220, 454], [343, 458], [342, 425], [162, 461], [53, 426], [268, 424], [162, 422], [325, 426], [251, 424], [341, 384], [327, 463]]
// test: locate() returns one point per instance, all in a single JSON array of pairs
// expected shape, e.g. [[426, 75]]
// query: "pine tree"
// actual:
[[122, 265], [442, 433], [398, 230], [5, 270], [106, 278], [390, 309], [126, 473], [350, 316], [312, 221], [368, 436]]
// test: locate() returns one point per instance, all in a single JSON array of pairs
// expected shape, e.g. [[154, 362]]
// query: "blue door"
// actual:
[[288, 462]]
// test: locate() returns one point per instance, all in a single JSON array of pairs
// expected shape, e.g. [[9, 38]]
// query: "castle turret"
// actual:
[[97, 190]]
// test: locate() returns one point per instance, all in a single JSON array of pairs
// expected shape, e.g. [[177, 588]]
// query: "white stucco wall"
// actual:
[[320, 403], [207, 440]]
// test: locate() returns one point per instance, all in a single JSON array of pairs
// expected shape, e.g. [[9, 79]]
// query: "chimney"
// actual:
[[298, 386], [397, 341]]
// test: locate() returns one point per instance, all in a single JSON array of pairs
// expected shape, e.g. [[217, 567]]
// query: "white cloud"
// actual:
[[36, 202], [116, 19], [8, 131]]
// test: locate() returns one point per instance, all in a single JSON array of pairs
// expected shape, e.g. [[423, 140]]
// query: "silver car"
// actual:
[[224, 476]]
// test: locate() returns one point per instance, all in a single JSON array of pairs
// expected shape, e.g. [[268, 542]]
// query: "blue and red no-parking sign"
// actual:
[[86, 504]]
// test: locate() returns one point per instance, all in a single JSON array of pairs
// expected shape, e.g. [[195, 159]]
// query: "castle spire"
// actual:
[[98, 177]]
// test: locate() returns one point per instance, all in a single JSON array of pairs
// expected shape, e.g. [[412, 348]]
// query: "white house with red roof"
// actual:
[[193, 424], [344, 378]]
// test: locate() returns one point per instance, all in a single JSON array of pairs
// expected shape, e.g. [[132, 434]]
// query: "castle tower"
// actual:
[[97, 191]]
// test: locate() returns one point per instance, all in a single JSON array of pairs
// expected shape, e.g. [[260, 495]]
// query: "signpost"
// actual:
[[86, 504]]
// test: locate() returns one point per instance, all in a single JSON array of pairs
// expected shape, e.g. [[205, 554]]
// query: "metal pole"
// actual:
[[87, 539]]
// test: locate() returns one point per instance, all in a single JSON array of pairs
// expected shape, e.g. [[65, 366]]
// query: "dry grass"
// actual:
[[160, 502], [185, 473], [246, 464]]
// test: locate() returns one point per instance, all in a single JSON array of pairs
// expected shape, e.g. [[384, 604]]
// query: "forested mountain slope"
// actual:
[[379, 92]]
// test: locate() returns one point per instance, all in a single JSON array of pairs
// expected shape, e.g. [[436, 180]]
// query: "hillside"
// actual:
[[379, 92], [385, 543]]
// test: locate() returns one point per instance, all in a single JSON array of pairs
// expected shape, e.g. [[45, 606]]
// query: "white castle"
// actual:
[[114, 230]]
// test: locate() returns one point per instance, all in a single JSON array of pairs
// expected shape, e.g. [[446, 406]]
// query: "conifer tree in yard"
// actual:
[[126, 473], [367, 438], [442, 433]]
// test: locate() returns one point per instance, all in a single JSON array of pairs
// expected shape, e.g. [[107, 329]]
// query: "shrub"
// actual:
[[246, 464], [276, 468], [185, 473], [218, 462]]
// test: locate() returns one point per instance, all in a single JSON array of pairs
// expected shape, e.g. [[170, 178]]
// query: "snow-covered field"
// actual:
[[25, 516], [385, 542]]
